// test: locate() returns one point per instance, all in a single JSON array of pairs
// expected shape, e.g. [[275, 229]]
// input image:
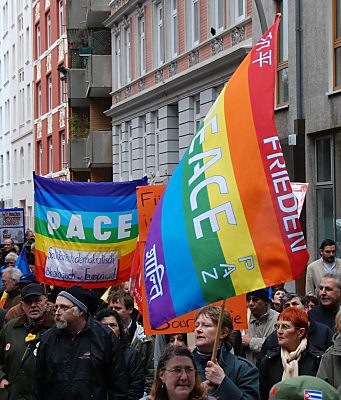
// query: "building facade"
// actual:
[[170, 61], [308, 109], [16, 107], [50, 54]]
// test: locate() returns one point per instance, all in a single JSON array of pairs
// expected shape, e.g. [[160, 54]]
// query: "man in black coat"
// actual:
[[330, 300], [79, 358]]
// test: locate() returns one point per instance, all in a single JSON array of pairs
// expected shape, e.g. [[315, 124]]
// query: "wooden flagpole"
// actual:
[[216, 341]]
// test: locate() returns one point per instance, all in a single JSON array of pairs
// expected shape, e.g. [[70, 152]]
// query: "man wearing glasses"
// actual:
[[79, 358], [19, 342]]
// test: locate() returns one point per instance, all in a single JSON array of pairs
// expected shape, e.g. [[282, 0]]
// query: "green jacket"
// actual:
[[18, 356]]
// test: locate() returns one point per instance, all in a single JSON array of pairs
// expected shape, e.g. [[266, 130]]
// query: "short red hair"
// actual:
[[298, 318]]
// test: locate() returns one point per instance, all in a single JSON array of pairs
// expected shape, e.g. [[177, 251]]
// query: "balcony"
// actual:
[[99, 149], [77, 87], [77, 155], [98, 76], [82, 14], [97, 12]]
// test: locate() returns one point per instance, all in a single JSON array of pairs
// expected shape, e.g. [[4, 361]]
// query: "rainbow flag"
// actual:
[[86, 232], [227, 222]]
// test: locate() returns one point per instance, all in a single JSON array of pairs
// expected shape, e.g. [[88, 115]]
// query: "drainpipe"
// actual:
[[261, 16]]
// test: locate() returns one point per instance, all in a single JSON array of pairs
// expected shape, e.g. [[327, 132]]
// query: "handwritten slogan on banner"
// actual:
[[147, 199], [86, 232]]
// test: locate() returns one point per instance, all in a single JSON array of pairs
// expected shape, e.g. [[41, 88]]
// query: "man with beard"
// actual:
[[328, 263], [79, 358], [330, 300], [19, 342]]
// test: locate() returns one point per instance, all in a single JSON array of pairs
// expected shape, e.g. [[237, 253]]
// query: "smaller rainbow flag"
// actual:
[[227, 222], [86, 232]]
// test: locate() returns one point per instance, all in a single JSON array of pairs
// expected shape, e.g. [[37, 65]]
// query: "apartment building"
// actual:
[[16, 107], [170, 61], [50, 55]]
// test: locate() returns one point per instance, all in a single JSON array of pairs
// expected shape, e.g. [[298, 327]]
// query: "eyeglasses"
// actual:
[[251, 298], [177, 371], [285, 327], [63, 308]]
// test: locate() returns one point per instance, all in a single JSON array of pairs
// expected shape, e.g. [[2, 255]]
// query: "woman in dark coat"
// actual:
[[230, 377], [132, 358], [294, 356]]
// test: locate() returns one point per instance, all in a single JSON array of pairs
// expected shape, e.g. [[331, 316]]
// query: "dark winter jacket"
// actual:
[[134, 366], [18, 357], [271, 368], [85, 366], [324, 315], [320, 337], [330, 367], [241, 380]]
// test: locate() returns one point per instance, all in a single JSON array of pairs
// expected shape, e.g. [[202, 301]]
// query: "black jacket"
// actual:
[[324, 315], [86, 366], [319, 335], [271, 368], [134, 366]]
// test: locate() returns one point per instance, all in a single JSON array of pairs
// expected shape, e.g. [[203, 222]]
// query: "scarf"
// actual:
[[290, 360]]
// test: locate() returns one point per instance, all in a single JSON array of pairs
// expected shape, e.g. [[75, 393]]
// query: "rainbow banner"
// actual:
[[227, 222], [86, 232]]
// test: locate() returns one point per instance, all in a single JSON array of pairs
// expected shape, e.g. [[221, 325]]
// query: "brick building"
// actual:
[[50, 101]]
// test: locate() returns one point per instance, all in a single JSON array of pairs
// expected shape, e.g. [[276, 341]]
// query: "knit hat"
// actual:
[[79, 297], [261, 294], [303, 388]]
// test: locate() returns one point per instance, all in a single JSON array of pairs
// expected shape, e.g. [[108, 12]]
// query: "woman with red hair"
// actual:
[[294, 356]]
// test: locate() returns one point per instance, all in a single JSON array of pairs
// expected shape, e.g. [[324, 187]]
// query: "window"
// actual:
[[49, 92], [8, 168], [61, 88], [50, 154], [324, 188], [142, 46], [22, 164], [158, 35], [62, 150], [28, 44], [7, 115], [5, 17], [1, 169], [61, 17], [118, 60], [29, 158], [157, 143], [14, 112], [217, 15], [128, 53], [48, 29], [38, 40], [120, 150], [28, 102], [39, 100], [13, 60], [195, 19], [174, 28], [40, 158], [6, 66], [282, 67], [144, 145], [337, 43], [197, 114], [236, 11], [130, 150]]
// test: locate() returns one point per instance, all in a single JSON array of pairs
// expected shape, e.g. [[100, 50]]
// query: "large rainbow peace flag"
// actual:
[[227, 222], [86, 232]]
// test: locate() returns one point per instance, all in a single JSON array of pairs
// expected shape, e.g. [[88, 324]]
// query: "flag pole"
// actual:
[[216, 341]]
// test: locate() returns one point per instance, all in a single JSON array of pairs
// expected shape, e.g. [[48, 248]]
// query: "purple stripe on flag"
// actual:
[[159, 299]]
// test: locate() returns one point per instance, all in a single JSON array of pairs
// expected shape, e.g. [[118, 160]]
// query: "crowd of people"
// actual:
[[73, 343]]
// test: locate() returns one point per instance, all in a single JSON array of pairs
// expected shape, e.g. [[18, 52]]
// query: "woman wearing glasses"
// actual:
[[112, 320], [176, 377], [230, 377], [294, 356]]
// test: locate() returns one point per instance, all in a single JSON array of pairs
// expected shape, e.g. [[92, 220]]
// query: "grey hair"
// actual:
[[13, 273], [11, 256], [337, 278]]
